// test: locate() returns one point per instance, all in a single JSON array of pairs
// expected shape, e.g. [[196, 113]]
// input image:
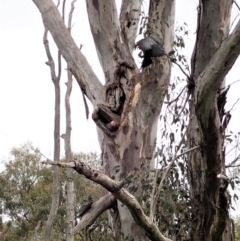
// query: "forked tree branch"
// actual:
[[116, 188], [98, 207], [56, 176], [129, 20], [70, 193], [159, 10], [55, 77], [77, 62], [107, 35], [210, 79]]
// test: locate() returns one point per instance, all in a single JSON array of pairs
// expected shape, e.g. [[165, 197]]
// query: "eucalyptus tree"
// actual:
[[128, 105]]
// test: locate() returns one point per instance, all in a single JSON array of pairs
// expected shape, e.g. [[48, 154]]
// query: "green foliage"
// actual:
[[24, 199], [237, 228], [25, 193]]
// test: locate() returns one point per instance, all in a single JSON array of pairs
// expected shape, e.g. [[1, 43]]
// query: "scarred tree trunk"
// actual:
[[142, 94], [132, 99], [205, 126]]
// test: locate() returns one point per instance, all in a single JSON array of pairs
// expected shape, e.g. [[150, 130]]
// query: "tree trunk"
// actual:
[[70, 193], [56, 175], [204, 165], [56, 156], [132, 99], [134, 145]]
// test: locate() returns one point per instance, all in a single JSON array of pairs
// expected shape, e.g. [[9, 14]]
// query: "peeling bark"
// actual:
[[205, 126], [135, 97]]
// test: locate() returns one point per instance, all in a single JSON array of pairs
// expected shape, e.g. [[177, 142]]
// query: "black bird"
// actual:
[[85, 206], [151, 46]]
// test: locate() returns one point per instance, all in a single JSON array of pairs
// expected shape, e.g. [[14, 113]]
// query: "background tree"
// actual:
[[133, 100], [26, 196]]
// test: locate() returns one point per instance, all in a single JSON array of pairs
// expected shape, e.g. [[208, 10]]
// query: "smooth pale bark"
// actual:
[[56, 175], [204, 165], [133, 145], [144, 93], [56, 156], [129, 20], [76, 61], [70, 192]]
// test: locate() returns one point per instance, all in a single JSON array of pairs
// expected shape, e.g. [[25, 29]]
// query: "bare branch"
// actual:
[[154, 201], [233, 162], [60, 164], [234, 104], [106, 32], [120, 193], [172, 101], [98, 207], [56, 176], [234, 82], [71, 15], [211, 77], [78, 64], [63, 10], [50, 61], [183, 71], [187, 151], [70, 197], [129, 20], [237, 5]]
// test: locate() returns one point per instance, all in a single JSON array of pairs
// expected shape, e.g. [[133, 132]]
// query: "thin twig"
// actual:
[[70, 15], [60, 164], [234, 105], [63, 10], [154, 188], [184, 105], [170, 102], [237, 5], [233, 162], [187, 151], [183, 71], [153, 204]]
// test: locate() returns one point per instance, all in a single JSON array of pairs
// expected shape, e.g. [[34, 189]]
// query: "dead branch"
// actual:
[[70, 192], [211, 77], [97, 208], [77, 62], [55, 77], [189, 78], [172, 101], [154, 201], [56, 176], [237, 5], [116, 188]]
